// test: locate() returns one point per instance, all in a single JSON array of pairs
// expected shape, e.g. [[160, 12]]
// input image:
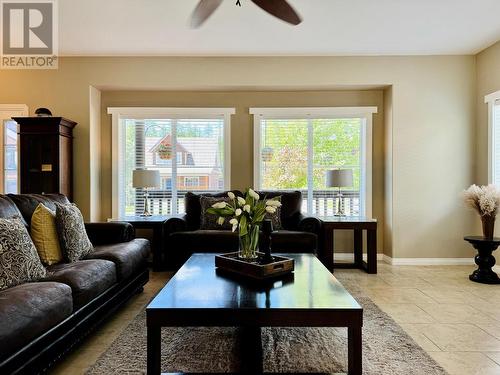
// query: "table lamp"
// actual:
[[339, 178], [145, 179]]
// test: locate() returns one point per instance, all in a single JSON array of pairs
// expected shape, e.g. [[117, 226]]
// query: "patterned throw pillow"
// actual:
[[75, 243], [44, 235], [19, 261], [276, 217], [209, 221]]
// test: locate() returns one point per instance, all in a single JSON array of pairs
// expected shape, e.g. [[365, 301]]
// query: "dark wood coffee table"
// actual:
[[200, 295]]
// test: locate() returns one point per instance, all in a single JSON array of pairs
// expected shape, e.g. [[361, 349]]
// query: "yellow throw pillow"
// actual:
[[44, 235]]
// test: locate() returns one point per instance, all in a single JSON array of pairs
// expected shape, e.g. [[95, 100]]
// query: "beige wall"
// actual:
[[433, 104], [488, 81], [242, 128], [96, 148], [388, 165]]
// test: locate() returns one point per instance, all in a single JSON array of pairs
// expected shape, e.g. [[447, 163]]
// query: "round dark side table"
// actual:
[[484, 259]]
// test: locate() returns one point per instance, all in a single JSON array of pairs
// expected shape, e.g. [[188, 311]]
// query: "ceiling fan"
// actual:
[[278, 8]]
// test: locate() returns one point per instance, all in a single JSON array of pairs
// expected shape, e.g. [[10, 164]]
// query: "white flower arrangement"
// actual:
[[250, 210], [271, 209], [246, 214], [484, 199]]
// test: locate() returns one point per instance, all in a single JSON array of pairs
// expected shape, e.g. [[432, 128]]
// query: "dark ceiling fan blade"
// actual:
[[203, 10], [280, 9]]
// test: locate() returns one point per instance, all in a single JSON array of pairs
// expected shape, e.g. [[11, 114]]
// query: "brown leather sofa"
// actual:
[[300, 234], [41, 321]]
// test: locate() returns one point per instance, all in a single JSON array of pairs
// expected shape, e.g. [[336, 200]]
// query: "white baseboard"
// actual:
[[350, 257], [415, 261], [428, 261], [409, 261]]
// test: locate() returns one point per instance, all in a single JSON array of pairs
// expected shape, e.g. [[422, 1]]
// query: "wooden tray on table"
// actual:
[[258, 269]]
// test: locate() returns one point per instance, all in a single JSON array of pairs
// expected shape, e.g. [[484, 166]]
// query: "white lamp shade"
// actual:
[[143, 178], [339, 178]]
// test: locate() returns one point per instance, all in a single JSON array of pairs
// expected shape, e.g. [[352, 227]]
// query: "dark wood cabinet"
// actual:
[[46, 155]]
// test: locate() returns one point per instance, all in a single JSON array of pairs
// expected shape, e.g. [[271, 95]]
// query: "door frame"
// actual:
[[7, 111]]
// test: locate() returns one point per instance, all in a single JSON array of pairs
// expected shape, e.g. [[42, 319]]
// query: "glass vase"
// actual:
[[249, 243]]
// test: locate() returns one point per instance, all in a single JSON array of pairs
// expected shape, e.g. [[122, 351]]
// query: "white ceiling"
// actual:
[[330, 27]]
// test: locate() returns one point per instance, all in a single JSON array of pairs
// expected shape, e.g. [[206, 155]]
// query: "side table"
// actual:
[[484, 259], [358, 225], [156, 224]]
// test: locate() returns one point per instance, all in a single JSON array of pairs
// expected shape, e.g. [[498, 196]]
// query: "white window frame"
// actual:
[[491, 100], [7, 111], [142, 113], [310, 113]]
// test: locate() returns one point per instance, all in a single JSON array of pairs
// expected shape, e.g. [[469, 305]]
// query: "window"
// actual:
[[295, 147], [493, 101], [186, 145], [9, 173], [10, 157]]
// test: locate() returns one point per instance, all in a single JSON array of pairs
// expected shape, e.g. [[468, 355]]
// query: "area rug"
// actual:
[[387, 349]]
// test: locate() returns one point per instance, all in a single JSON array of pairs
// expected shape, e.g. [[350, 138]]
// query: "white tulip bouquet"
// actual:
[[245, 214]]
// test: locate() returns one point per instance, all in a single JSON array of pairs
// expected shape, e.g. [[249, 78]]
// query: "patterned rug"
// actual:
[[387, 349]]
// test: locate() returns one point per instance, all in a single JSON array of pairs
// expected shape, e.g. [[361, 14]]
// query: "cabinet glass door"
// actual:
[[11, 157]]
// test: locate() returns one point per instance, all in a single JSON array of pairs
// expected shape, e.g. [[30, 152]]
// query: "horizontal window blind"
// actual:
[[295, 154], [188, 153]]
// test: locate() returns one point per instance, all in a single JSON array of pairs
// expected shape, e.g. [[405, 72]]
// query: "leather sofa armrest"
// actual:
[[175, 224], [109, 233], [309, 224]]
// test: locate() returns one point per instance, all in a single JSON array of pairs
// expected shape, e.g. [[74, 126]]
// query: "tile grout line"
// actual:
[[497, 361]]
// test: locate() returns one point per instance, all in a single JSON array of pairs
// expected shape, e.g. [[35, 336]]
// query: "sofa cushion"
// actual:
[[128, 257], [205, 241], [75, 243], [19, 261], [218, 241], [275, 217], [193, 207], [293, 242], [208, 220], [8, 209], [27, 203], [291, 204], [109, 233], [87, 278], [29, 310], [44, 234]]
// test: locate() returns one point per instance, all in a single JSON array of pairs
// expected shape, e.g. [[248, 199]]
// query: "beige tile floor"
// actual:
[[456, 321]]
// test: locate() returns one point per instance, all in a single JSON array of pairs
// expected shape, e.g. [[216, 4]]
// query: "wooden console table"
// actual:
[[358, 225]]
